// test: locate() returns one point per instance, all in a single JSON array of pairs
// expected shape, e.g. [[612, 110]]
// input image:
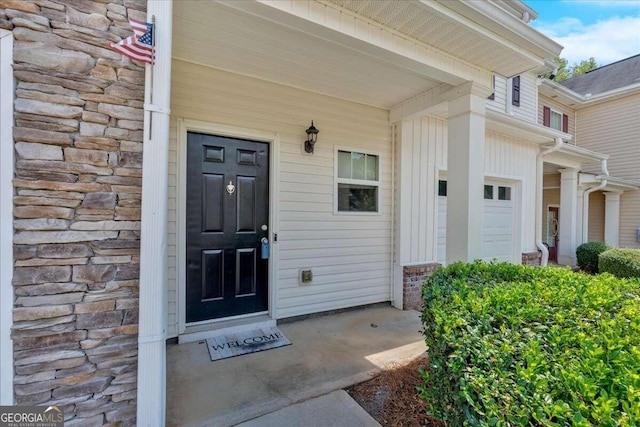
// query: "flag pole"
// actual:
[[153, 50], [153, 60]]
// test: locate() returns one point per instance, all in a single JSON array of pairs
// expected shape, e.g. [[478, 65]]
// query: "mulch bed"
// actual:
[[392, 399]]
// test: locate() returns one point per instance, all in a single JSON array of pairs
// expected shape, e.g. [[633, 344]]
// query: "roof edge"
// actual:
[[585, 100], [507, 24]]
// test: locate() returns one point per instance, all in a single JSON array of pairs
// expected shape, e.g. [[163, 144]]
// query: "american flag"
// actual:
[[139, 46]]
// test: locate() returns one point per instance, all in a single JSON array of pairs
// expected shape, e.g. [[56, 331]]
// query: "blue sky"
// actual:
[[608, 30]]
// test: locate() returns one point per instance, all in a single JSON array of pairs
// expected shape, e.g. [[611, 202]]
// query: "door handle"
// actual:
[[264, 245]]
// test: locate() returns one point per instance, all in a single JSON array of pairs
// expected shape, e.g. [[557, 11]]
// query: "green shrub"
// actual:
[[587, 254], [620, 262], [512, 345]]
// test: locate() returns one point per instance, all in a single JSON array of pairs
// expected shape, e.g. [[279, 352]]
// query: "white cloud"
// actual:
[[607, 41]]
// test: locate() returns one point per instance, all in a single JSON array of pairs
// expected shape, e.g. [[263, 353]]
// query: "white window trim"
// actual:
[[6, 217], [337, 180], [551, 111]]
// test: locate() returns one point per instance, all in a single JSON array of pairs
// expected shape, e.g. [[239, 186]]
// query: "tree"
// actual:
[[565, 72], [584, 66]]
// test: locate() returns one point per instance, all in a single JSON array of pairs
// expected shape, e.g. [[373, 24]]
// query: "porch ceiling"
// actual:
[[218, 35], [462, 29]]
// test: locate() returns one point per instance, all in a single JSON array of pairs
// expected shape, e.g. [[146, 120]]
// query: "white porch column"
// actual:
[[465, 168], [153, 233], [6, 217], [612, 217], [567, 242], [579, 204]]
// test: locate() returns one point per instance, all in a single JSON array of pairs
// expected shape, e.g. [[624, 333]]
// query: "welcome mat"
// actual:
[[230, 345]]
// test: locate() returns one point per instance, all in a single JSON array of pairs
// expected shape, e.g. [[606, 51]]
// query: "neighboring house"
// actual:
[[602, 108], [429, 151]]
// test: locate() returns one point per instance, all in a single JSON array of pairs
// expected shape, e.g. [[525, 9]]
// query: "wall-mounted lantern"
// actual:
[[312, 137]]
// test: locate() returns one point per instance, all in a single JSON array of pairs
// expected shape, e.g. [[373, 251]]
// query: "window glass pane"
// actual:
[[488, 192], [344, 164], [442, 188], [358, 164], [556, 120], [372, 167], [357, 198], [504, 193]]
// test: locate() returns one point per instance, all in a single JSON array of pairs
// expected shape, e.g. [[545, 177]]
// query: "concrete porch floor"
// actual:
[[327, 353]]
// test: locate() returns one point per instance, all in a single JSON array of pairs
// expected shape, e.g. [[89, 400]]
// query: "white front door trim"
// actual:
[[273, 139], [6, 217]]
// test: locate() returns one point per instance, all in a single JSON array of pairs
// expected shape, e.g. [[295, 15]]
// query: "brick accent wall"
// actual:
[[412, 279], [531, 258], [78, 140]]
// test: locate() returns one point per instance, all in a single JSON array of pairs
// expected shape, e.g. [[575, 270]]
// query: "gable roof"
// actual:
[[609, 77]]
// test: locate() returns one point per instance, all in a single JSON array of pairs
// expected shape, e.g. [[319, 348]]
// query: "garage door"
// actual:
[[498, 220]]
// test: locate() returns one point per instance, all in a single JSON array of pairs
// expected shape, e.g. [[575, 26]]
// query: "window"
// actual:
[[358, 182], [555, 120], [488, 192], [515, 91], [504, 193], [442, 188]]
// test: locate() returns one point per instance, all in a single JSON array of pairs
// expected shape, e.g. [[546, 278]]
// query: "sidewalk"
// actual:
[[336, 409]]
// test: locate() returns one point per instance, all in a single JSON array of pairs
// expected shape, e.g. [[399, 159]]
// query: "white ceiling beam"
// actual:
[[419, 105], [423, 103]]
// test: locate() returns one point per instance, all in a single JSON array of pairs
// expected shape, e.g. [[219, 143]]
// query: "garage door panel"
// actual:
[[497, 233]]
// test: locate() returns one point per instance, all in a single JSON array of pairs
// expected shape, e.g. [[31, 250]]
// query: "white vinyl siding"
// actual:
[[545, 101], [505, 158], [528, 98], [500, 95], [348, 254], [613, 128]]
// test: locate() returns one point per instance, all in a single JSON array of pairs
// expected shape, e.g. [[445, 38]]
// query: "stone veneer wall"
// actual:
[[531, 258], [413, 278], [78, 140]]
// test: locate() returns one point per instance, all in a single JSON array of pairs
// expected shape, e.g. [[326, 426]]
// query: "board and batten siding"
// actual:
[[545, 101], [506, 158], [348, 254], [613, 128]]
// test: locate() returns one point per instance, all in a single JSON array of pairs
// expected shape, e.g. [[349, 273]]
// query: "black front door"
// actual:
[[227, 216]]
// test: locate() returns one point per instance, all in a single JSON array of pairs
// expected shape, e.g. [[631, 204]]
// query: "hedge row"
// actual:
[[620, 262], [512, 345]]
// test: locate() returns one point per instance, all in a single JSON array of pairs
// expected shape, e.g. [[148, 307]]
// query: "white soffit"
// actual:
[[428, 23], [215, 35]]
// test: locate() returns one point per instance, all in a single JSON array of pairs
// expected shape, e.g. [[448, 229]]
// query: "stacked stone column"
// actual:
[[78, 140]]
